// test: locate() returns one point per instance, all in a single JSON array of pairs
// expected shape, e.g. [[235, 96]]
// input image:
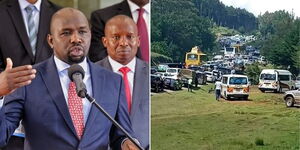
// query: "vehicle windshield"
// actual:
[[268, 76], [229, 49], [162, 68], [171, 70], [298, 78], [238, 80], [192, 57]]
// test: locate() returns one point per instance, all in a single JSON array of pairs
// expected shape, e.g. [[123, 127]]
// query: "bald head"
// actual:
[[70, 35], [119, 20], [121, 39], [65, 14]]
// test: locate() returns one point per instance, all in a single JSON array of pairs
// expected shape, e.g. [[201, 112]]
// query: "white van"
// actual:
[[276, 80], [173, 71], [234, 85]]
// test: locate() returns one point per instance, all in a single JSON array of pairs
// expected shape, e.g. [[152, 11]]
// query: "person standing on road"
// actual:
[[190, 85], [218, 89]]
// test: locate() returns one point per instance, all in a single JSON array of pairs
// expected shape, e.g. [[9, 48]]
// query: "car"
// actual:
[[157, 83], [210, 77], [185, 75], [200, 78], [297, 84], [292, 97], [153, 70], [173, 71], [172, 83]]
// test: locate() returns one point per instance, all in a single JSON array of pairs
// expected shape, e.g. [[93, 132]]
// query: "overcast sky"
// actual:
[[261, 6]]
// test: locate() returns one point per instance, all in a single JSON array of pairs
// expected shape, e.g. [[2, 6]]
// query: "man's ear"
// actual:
[[138, 41], [50, 40], [104, 41]]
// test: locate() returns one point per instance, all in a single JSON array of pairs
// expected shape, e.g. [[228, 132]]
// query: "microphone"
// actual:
[[76, 74]]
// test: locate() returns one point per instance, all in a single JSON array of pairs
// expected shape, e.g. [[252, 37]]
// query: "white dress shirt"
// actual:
[[135, 14], [62, 69], [131, 65], [1, 102], [36, 13]]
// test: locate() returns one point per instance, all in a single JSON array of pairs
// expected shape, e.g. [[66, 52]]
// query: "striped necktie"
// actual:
[[31, 27]]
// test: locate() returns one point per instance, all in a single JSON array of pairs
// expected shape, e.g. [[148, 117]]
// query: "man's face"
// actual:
[[70, 37], [121, 40]]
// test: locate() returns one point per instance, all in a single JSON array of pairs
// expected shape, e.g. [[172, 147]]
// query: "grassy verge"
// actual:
[[194, 121]]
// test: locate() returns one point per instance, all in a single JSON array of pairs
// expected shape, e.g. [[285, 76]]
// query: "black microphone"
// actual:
[[76, 74]]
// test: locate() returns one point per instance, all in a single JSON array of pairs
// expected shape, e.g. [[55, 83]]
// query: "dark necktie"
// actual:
[[143, 33], [76, 109], [124, 71]]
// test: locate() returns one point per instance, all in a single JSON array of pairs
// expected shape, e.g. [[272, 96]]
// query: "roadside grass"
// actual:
[[183, 120]]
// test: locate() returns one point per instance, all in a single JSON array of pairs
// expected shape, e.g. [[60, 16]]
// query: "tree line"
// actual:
[[279, 39], [177, 26], [227, 16]]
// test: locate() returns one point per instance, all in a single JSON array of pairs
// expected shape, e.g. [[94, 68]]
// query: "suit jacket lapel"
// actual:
[[44, 26], [139, 77], [16, 15], [106, 64], [52, 82], [97, 78]]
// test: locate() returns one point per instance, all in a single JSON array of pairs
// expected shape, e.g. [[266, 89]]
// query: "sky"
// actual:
[[261, 6]]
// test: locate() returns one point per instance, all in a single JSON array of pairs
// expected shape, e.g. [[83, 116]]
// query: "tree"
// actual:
[[177, 24], [281, 39]]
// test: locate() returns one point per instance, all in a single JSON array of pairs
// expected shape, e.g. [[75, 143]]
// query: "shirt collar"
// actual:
[[116, 65], [62, 66], [133, 7], [24, 3]]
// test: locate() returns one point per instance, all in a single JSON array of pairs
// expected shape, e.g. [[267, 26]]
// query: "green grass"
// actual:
[[194, 121]]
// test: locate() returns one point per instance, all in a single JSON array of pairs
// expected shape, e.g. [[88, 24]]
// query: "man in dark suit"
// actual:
[[14, 38], [101, 16], [54, 117], [122, 41], [23, 39]]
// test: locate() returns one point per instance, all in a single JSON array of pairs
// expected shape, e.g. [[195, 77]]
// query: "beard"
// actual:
[[76, 54], [75, 60]]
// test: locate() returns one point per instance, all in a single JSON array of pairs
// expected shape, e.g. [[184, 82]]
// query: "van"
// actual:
[[276, 80], [173, 71], [235, 86]]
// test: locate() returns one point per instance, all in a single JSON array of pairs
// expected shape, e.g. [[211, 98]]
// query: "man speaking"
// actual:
[[54, 117]]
